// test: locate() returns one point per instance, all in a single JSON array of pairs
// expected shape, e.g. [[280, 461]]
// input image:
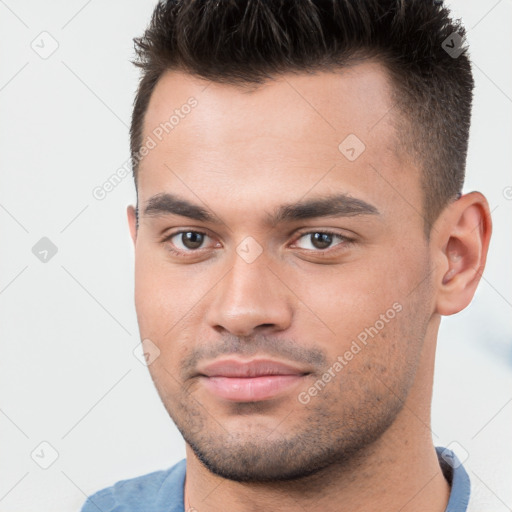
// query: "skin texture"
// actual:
[[364, 440]]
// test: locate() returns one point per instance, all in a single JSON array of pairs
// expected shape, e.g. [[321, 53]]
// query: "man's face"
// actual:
[[300, 288]]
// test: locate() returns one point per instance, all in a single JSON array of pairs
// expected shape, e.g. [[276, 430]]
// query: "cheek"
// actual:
[[376, 308], [169, 301], [164, 293], [349, 298]]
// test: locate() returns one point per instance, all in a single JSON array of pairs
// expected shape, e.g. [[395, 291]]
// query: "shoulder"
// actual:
[[143, 493]]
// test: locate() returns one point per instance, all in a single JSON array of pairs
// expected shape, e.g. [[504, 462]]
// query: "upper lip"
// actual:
[[251, 368]]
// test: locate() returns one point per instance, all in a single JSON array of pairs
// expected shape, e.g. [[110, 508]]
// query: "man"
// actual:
[[299, 232]]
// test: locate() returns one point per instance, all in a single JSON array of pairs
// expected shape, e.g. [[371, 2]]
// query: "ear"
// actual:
[[460, 240], [132, 222]]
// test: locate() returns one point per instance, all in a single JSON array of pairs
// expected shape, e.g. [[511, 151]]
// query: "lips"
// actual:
[[250, 381]]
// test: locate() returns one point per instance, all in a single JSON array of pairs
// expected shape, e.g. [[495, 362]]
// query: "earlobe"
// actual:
[[132, 222], [462, 244]]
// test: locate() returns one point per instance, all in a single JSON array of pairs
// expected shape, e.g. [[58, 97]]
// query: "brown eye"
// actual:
[[186, 241], [319, 240], [192, 239]]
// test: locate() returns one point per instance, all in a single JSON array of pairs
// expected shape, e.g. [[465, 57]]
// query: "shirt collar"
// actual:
[[457, 477]]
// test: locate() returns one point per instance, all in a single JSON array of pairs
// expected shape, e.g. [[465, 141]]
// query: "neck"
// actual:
[[400, 471]]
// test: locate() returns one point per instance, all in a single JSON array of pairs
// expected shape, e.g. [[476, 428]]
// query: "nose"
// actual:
[[250, 299]]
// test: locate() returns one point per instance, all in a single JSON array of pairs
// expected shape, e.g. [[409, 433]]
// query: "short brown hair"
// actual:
[[246, 42]]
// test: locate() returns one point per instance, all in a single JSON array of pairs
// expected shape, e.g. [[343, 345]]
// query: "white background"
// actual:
[[68, 374]]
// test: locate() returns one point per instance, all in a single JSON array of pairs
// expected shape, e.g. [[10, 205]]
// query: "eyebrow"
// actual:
[[338, 205]]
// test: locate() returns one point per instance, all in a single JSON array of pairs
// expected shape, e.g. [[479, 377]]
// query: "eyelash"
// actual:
[[345, 242]]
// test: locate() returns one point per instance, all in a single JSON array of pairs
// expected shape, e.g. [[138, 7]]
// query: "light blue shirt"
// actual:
[[162, 491]]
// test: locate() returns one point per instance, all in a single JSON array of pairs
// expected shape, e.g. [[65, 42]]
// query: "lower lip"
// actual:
[[250, 389]]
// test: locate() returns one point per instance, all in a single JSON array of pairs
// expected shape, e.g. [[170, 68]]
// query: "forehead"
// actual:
[[298, 131], [332, 103]]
